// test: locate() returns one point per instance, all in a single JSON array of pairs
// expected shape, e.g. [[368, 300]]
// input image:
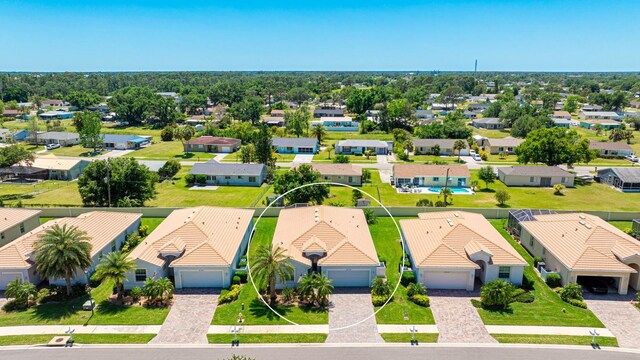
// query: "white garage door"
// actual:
[[226, 149], [6, 278], [201, 279], [348, 277], [446, 280]]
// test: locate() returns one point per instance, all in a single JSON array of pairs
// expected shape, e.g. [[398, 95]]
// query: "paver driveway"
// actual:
[[457, 320], [619, 315], [189, 319], [349, 306]]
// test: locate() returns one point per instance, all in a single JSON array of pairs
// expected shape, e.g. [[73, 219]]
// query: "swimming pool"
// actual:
[[436, 190]]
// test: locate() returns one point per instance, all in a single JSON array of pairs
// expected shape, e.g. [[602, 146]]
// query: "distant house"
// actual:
[[320, 113], [611, 148], [599, 115], [471, 114], [55, 137], [278, 113], [506, 145], [344, 123], [625, 179], [123, 142], [10, 113], [430, 175], [360, 146], [562, 114], [539, 176], [53, 102], [55, 168], [478, 107], [295, 145], [604, 124], [561, 122], [52, 115], [423, 114], [212, 144], [425, 146], [273, 121], [588, 107], [340, 173], [8, 136], [15, 222], [488, 123], [230, 173], [635, 104]]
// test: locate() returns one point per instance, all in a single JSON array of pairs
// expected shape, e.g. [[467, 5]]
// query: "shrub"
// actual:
[[94, 282], [201, 179], [235, 279], [380, 287], [143, 230], [136, 293], [557, 189], [378, 300], [537, 260], [578, 303], [15, 305], [242, 263], [439, 203], [416, 289], [370, 216], [424, 203], [484, 155], [382, 259], [190, 179], [527, 283], [242, 274], [502, 196], [227, 296], [288, 294], [132, 241], [553, 280], [43, 293], [496, 293], [422, 300], [407, 278], [167, 133], [525, 297], [169, 169], [407, 263], [341, 159], [571, 291]]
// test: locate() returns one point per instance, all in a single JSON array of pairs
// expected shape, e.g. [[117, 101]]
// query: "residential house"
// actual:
[[15, 222], [599, 115], [123, 142], [9, 136], [604, 124], [347, 147], [467, 114], [478, 107], [230, 173], [53, 102], [423, 114], [540, 176], [53, 115], [55, 137], [561, 122], [488, 123], [340, 173], [10, 113], [56, 168], [431, 175], [635, 104], [278, 113], [212, 144], [197, 247], [106, 231], [505, 146], [295, 145], [344, 123], [451, 249], [611, 148], [273, 121], [587, 107], [320, 113], [625, 179], [562, 114], [574, 245], [426, 146], [333, 241]]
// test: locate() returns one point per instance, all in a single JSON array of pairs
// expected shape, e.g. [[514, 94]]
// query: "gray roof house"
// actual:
[[295, 145], [506, 145], [318, 113], [123, 142], [55, 137], [230, 174], [423, 114], [425, 146], [360, 146], [488, 123], [625, 179], [611, 148], [539, 176]]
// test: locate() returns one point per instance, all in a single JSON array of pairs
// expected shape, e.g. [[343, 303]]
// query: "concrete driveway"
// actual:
[[350, 306], [303, 158], [457, 320], [619, 315]]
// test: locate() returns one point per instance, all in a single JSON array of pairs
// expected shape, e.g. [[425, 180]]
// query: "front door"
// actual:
[[545, 182]]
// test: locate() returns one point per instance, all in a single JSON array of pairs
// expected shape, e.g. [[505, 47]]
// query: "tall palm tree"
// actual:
[[269, 265], [446, 193], [458, 146], [115, 267], [324, 288], [61, 251], [306, 288], [319, 132]]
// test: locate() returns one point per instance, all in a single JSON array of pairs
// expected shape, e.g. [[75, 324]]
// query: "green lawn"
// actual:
[[386, 240], [622, 225], [70, 313], [76, 150], [267, 338], [554, 339], [165, 150], [406, 337], [546, 310], [46, 193], [255, 312], [79, 339], [491, 133]]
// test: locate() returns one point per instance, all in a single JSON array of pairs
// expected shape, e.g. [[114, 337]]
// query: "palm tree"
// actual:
[[323, 288], [616, 135], [61, 251], [156, 289], [114, 267], [306, 288], [446, 192], [269, 265], [319, 132], [598, 129], [21, 291], [458, 146]]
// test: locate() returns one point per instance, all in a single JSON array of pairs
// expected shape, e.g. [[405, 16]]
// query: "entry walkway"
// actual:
[[457, 320], [189, 319], [350, 306]]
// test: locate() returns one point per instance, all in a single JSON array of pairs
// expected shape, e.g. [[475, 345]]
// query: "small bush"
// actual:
[[517, 292], [288, 294], [190, 179], [407, 264], [424, 203], [527, 283], [554, 280], [378, 300], [571, 291], [43, 293], [93, 282], [537, 260], [422, 300], [382, 259], [136, 293], [371, 217], [143, 230], [242, 263], [407, 278], [578, 303], [235, 280], [15, 305], [242, 274], [416, 289], [201, 179], [496, 293], [227, 296], [380, 287], [341, 159], [167, 133]]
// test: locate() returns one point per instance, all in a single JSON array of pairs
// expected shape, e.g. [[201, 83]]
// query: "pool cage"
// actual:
[[635, 227], [517, 216]]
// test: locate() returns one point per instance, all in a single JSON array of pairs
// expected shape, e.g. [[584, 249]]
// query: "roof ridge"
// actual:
[[341, 244], [196, 248]]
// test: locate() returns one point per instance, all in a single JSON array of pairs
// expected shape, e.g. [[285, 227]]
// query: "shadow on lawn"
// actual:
[[55, 311], [259, 310]]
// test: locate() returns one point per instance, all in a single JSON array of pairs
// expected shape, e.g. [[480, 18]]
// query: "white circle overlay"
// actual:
[[395, 289]]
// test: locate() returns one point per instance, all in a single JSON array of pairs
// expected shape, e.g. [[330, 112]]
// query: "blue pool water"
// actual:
[[455, 190]]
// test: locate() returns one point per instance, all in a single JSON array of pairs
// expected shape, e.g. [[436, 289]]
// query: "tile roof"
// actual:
[[448, 238], [562, 113], [54, 163], [213, 168], [213, 140], [343, 232], [294, 142], [410, 171], [443, 143], [209, 236], [535, 171], [609, 145], [337, 169], [363, 143], [505, 142], [583, 242], [12, 217], [102, 227]]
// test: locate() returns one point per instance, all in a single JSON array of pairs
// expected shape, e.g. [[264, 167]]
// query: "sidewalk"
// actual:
[[79, 329]]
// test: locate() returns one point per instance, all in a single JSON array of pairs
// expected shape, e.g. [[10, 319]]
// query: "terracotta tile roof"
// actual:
[[583, 242], [447, 238], [102, 227], [410, 171], [337, 169], [213, 140], [12, 217], [341, 232], [54, 163], [208, 236]]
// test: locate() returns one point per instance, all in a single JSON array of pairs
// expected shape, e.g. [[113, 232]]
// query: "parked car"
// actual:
[[472, 153], [632, 158], [477, 157], [51, 146], [595, 285]]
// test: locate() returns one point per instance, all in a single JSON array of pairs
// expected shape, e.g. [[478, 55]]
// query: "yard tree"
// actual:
[[133, 104], [458, 146], [446, 193], [190, 103], [90, 136], [34, 127], [502, 196], [451, 95], [435, 130], [167, 133], [524, 124], [83, 99], [121, 182], [616, 135], [571, 104], [169, 169], [263, 146], [553, 146], [247, 153], [302, 175], [165, 111], [249, 109], [487, 175], [297, 122], [598, 129], [400, 114], [454, 126], [319, 132], [360, 101], [298, 95], [115, 266], [366, 175], [11, 155], [270, 265], [184, 133]]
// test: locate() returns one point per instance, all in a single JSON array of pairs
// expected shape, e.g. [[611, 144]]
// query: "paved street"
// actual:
[[189, 319], [322, 352], [619, 316], [457, 320], [350, 306]]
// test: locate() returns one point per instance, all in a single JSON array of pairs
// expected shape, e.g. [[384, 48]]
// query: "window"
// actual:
[[227, 177], [563, 180], [240, 177], [200, 146], [113, 246], [531, 242], [504, 272], [21, 228], [532, 179], [289, 148], [436, 179], [252, 179], [350, 179], [141, 275]]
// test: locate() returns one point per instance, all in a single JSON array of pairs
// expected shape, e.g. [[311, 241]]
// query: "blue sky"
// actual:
[[517, 35]]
